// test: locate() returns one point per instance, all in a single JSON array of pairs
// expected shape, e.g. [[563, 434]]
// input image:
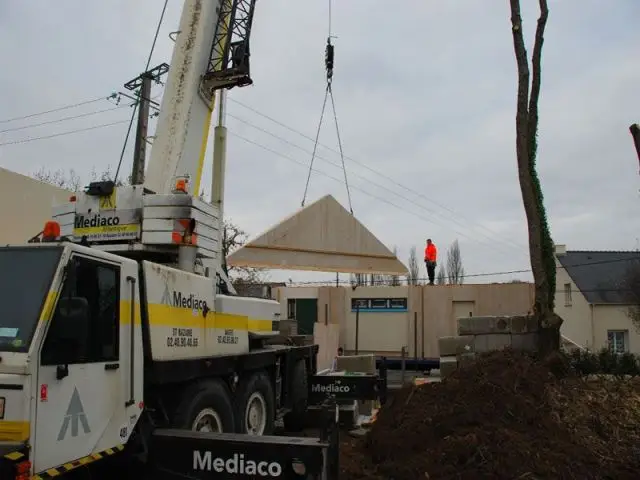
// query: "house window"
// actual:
[[359, 304], [617, 340], [567, 294], [291, 309], [378, 303], [398, 303]]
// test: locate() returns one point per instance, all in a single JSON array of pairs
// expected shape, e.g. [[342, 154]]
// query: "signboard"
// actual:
[[343, 387], [109, 218], [184, 454]]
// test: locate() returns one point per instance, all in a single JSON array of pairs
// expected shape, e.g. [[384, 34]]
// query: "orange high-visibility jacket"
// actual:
[[430, 253]]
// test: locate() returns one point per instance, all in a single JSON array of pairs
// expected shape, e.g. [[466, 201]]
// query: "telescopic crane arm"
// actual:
[[211, 53]]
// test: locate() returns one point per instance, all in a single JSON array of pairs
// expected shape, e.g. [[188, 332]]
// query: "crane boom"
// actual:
[[211, 53], [164, 219]]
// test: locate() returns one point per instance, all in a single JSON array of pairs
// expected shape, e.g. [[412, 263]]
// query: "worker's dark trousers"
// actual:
[[431, 271]]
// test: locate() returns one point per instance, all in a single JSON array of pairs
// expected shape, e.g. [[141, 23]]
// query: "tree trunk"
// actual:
[[540, 244]]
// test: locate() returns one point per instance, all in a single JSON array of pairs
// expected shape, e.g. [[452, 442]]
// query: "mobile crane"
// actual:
[[117, 325]]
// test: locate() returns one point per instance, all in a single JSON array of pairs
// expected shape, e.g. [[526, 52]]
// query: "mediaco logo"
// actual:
[[235, 465], [96, 221], [191, 301], [331, 388]]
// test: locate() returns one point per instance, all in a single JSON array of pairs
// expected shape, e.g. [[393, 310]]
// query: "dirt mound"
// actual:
[[506, 416]]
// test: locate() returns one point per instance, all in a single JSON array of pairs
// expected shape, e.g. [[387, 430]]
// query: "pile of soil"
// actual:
[[505, 416]]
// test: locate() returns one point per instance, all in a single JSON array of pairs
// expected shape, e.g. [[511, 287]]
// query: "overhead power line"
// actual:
[[494, 237], [63, 119], [399, 195], [65, 107], [383, 175], [513, 272], [135, 107], [362, 190], [61, 134]]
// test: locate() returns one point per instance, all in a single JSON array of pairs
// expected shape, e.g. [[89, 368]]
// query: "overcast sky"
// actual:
[[425, 98]]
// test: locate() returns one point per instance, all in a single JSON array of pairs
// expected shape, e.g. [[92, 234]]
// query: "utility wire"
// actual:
[[362, 190], [383, 175], [399, 195], [493, 237], [61, 134], [135, 107], [513, 272], [63, 119], [65, 107]]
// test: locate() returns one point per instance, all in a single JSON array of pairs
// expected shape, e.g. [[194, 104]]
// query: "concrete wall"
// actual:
[[431, 313], [25, 205]]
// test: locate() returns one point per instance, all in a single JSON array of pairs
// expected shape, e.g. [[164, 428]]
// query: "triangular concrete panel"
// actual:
[[322, 236]]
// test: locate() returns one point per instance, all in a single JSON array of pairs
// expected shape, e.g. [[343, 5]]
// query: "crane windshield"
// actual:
[[26, 274]]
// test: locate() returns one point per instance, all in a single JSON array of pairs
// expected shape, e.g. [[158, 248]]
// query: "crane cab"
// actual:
[[70, 368]]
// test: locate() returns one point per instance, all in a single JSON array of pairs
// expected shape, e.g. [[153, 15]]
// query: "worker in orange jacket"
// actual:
[[430, 256]]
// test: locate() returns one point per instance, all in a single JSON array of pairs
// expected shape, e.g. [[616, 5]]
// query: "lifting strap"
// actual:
[[328, 63]]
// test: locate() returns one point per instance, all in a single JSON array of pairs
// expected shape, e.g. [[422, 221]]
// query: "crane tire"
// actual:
[[206, 406], [294, 420], [255, 401]]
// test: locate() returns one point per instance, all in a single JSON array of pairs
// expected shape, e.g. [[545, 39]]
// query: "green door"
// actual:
[[306, 315]]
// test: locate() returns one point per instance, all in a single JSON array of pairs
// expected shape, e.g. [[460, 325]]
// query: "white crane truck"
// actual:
[[117, 326]]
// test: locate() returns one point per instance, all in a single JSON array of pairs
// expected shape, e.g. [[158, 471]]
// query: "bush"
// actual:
[[585, 362]]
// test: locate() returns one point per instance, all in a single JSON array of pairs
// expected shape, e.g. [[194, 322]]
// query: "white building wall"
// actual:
[[25, 205]]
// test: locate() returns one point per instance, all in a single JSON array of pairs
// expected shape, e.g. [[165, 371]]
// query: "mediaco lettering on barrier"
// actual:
[[236, 464], [331, 388]]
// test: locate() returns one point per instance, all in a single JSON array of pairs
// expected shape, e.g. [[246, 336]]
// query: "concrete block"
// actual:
[[523, 324], [466, 358], [483, 325], [525, 341], [448, 365], [532, 324], [359, 364], [518, 324], [455, 345], [492, 341]]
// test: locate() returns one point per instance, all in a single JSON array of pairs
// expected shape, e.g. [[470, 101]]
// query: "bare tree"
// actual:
[[69, 180], [234, 237], [413, 278], [455, 270], [540, 242], [394, 280], [441, 276]]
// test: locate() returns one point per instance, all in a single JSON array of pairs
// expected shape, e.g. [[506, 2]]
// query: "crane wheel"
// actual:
[[206, 407], [294, 421], [255, 414]]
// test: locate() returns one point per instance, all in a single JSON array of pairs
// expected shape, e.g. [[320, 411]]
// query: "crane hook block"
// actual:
[[328, 59]]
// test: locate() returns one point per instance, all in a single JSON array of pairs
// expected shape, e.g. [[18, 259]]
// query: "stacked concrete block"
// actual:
[[485, 334], [359, 364]]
